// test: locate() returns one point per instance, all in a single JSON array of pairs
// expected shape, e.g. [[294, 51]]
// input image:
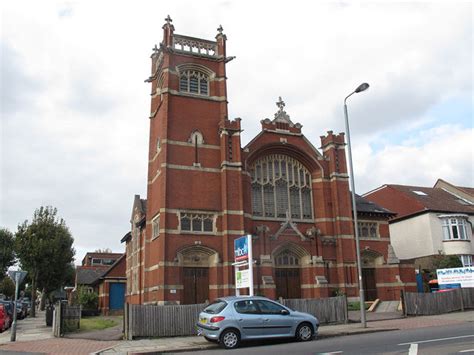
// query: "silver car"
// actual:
[[229, 320]]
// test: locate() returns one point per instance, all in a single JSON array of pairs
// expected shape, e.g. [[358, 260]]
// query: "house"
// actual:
[[111, 285], [429, 220], [104, 273], [100, 259], [205, 190]]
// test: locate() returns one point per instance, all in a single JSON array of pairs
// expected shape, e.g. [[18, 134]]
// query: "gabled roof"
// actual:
[[87, 275], [365, 206], [116, 271], [408, 200]]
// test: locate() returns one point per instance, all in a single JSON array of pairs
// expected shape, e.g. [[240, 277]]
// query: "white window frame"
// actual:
[[466, 260], [454, 228]]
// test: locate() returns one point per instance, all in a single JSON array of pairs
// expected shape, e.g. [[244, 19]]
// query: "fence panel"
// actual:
[[468, 297], [327, 310], [161, 321], [71, 317], [434, 303]]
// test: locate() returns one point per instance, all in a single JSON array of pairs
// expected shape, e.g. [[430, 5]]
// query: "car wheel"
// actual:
[[304, 332], [229, 339]]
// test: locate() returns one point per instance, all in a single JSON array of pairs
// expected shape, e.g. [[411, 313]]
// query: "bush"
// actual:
[[88, 300]]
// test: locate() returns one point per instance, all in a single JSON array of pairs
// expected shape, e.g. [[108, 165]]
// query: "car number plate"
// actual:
[[203, 320]]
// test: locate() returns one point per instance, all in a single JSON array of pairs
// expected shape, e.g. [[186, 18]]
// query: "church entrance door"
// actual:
[[287, 282], [370, 286], [195, 284]]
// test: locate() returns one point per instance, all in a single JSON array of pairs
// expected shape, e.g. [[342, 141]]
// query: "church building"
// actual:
[[205, 190]]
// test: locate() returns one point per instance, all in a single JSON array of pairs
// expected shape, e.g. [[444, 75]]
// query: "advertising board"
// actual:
[[241, 248], [242, 279], [456, 277]]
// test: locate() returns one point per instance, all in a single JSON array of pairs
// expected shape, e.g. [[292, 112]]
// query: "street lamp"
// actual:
[[360, 88]]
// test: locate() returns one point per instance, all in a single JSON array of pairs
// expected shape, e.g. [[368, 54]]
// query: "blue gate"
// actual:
[[116, 295]]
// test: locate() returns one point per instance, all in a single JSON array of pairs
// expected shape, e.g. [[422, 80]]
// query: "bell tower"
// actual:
[[194, 168]]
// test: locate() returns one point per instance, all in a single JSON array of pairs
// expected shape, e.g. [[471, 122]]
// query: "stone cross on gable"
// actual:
[[280, 103], [168, 20], [155, 48], [220, 29]]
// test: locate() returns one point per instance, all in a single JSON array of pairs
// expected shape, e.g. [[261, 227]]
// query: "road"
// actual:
[[452, 339]]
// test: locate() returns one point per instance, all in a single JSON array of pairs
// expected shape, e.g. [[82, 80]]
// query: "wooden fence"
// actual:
[[160, 321], [66, 319], [419, 304], [327, 310], [180, 320]]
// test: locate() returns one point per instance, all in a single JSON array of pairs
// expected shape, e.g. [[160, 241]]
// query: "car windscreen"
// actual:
[[215, 307]]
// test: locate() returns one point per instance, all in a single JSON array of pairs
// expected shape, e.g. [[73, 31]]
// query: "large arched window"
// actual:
[[194, 82], [281, 184]]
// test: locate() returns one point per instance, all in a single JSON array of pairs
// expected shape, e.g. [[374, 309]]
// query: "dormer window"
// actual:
[[194, 82]]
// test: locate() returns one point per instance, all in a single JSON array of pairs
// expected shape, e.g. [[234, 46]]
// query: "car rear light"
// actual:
[[217, 319]]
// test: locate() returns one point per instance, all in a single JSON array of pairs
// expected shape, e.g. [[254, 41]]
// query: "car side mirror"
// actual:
[[284, 312]]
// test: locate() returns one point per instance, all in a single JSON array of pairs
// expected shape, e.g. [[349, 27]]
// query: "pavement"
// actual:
[[40, 340]]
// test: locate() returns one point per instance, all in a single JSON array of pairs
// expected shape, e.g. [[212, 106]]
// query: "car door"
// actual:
[[249, 319], [277, 321]]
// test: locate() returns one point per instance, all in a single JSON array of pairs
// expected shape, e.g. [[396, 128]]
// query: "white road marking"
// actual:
[[413, 349], [467, 351], [331, 353], [440, 339]]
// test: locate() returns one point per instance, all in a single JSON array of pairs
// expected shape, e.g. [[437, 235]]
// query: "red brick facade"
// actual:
[[205, 190]]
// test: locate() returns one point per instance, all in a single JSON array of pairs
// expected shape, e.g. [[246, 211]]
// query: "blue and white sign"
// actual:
[[241, 248], [456, 277]]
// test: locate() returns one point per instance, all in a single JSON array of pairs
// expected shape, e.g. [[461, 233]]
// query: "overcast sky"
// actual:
[[74, 105]]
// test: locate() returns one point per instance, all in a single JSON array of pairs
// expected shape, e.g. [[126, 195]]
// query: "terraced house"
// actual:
[[205, 190]]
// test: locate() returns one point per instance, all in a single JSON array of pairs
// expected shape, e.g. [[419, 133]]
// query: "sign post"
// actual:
[[243, 258], [17, 277]]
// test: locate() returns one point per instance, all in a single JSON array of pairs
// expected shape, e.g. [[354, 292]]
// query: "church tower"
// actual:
[[194, 156]]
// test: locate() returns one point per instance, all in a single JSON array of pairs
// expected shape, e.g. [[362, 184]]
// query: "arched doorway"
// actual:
[[195, 262], [287, 275], [370, 259]]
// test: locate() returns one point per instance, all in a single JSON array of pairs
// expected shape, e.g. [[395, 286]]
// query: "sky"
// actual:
[[74, 105]]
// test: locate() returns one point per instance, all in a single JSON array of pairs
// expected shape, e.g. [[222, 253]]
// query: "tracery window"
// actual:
[[194, 82], [286, 258], [368, 229], [197, 222], [281, 184]]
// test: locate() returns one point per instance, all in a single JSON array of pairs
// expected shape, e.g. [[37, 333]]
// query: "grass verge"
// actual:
[[96, 323]]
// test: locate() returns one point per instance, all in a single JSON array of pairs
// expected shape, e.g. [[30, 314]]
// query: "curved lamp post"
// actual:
[[360, 88]]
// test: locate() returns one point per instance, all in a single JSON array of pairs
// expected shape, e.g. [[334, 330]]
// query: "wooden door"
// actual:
[[287, 282], [370, 286], [195, 284]]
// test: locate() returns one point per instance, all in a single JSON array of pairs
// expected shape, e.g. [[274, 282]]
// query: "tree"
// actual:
[[44, 249], [448, 261], [7, 254], [7, 287]]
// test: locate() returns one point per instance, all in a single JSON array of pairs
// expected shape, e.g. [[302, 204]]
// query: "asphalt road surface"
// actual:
[[453, 339]]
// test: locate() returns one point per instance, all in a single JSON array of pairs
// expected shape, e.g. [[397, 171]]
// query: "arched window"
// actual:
[[281, 184], [194, 82]]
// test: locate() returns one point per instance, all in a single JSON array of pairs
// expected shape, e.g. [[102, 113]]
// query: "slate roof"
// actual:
[[87, 275], [366, 206]]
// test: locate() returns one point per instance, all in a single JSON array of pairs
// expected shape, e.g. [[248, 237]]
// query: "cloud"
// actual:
[[75, 108], [18, 87], [440, 152]]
